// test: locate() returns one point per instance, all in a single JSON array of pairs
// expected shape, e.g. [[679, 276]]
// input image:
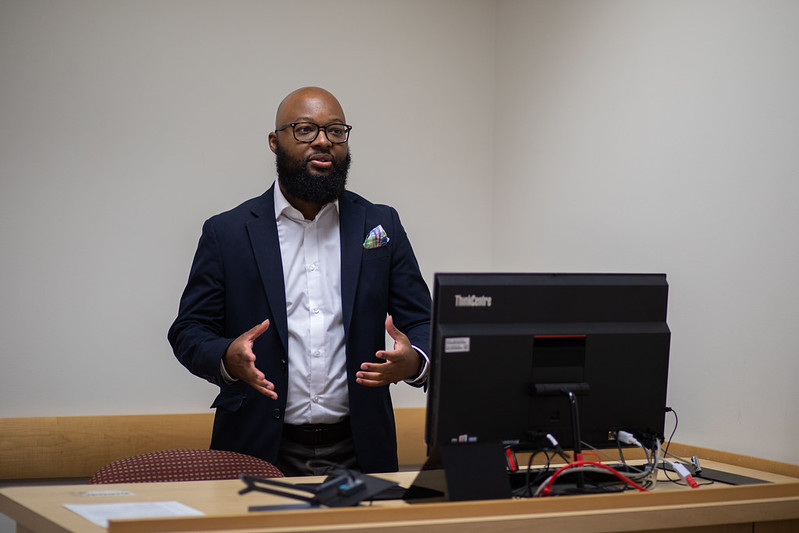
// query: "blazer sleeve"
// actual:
[[409, 296], [197, 335]]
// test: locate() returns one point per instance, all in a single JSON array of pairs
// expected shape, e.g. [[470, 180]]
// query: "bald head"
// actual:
[[311, 169], [306, 103]]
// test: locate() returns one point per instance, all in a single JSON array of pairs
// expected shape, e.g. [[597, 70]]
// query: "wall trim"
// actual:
[[77, 446]]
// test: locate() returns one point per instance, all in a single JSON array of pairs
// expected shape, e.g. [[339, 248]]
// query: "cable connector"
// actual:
[[684, 473], [510, 460], [556, 446], [626, 437]]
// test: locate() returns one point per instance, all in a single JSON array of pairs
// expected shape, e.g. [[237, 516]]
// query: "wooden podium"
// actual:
[[768, 507]]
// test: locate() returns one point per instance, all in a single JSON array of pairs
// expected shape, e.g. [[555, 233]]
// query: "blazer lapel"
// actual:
[[352, 218], [266, 247]]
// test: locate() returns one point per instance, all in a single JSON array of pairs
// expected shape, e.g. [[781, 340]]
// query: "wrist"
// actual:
[[420, 377]]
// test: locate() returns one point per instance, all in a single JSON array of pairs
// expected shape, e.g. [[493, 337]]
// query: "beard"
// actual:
[[299, 183]]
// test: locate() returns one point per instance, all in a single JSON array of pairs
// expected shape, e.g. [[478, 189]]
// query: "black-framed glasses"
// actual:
[[306, 132]]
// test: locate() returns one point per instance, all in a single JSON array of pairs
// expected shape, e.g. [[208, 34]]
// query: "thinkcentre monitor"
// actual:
[[510, 351]]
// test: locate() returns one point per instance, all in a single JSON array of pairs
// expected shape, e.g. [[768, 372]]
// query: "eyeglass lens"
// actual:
[[307, 132]]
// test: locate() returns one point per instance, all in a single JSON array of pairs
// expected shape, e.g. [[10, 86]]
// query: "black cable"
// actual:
[[526, 490], [668, 443]]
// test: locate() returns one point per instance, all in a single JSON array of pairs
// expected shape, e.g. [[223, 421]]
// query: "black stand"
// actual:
[[570, 390], [342, 488], [578, 447], [461, 472]]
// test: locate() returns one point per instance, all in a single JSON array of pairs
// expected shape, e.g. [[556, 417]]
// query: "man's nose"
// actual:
[[321, 138]]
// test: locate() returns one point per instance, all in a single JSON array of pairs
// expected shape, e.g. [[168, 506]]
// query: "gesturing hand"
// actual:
[[239, 361], [400, 363]]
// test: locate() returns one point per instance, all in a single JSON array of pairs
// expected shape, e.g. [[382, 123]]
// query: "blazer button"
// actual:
[[276, 414], [283, 365]]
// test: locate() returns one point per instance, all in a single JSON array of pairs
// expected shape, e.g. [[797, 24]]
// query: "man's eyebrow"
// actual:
[[309, 119]]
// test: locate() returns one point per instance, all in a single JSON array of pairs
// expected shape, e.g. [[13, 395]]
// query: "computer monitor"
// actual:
[[506, 349]]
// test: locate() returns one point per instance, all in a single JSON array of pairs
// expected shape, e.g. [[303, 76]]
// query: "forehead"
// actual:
[[316, 107]]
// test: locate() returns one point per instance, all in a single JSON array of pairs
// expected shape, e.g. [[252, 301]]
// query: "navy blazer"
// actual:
[[236, 281]]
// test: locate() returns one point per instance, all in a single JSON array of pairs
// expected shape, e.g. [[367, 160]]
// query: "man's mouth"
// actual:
[[321, 161]]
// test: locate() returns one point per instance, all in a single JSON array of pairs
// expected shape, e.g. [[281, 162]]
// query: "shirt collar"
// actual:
[[284, 208]]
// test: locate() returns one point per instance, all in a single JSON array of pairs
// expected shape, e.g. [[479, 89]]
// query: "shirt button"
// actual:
[[315, 399], [316, 310], [317, 353], [311, 267]]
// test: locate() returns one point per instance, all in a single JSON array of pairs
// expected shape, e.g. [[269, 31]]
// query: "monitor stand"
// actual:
[[461, 472], [478, 471], [578, 447]]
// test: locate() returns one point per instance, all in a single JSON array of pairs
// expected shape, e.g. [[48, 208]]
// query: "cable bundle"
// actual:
[[598, 477]]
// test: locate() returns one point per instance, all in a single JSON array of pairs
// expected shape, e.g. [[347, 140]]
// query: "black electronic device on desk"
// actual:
[[341, 488], [712, 475], [515, 356]]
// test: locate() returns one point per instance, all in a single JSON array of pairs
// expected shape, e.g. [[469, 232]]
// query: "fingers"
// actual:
[[391, 329], [239, 361], [398, 365], [257, 380], [258, 330], [376, 375], [393, 332], [401, 342], [267, 388]]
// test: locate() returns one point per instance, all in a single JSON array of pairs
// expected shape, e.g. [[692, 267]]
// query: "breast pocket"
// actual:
[[373, 254]]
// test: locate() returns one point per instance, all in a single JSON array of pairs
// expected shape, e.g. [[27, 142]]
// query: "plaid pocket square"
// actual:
[[376, 238]]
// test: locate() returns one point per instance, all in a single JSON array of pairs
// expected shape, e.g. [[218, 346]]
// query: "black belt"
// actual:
[[317, 434]]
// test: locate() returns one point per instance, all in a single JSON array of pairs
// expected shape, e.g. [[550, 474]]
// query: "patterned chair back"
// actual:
[[184, 465]]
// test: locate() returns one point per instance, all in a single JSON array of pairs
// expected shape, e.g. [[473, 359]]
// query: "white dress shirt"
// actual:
[[311, 254]]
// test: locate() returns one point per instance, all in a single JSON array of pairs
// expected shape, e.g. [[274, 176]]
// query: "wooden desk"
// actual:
[[763, 508]]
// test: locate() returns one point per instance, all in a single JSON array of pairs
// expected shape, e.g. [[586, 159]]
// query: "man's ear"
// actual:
[[273, 141]]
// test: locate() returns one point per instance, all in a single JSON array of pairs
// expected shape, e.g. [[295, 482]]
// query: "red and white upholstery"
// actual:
[[184, 465]]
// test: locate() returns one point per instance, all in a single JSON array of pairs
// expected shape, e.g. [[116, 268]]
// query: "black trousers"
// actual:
[[316, 450]]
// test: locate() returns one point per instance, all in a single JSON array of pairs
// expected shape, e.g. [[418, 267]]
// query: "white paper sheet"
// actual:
[[101, 513]]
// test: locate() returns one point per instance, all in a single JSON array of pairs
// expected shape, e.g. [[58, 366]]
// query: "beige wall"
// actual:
[[661, 136], [126, 124], [609, 135]]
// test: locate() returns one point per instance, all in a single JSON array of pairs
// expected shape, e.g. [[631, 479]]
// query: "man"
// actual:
[[288, 301]]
